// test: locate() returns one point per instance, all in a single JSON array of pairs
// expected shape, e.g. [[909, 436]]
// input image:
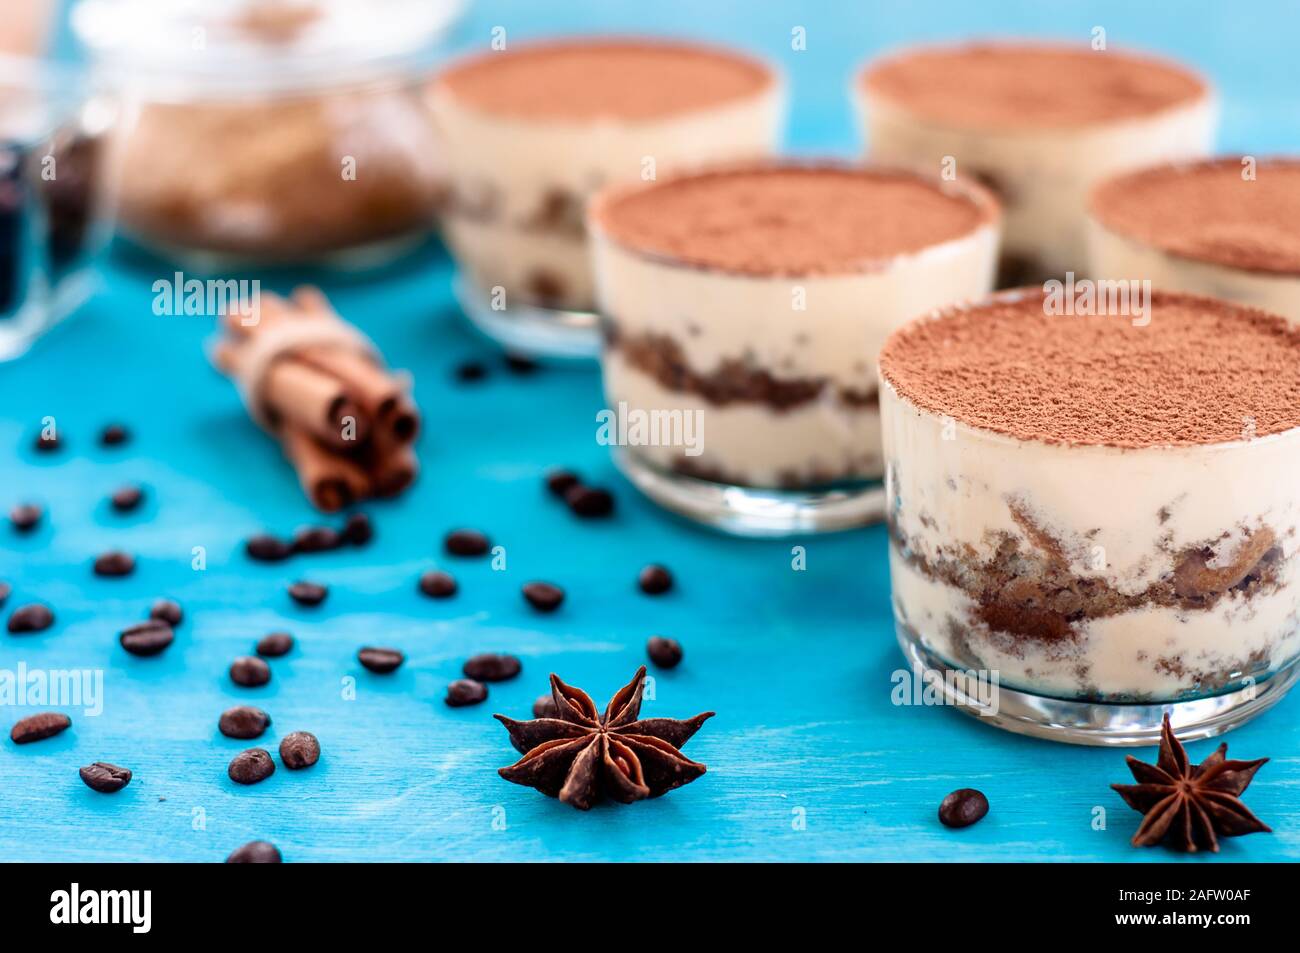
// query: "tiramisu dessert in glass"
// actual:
[[1094, 514], [1228, 227], [744, 308], [1040, 123], [533, 130]]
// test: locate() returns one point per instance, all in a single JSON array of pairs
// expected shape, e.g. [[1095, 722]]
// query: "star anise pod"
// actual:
[[1187, 806], [581, 755]]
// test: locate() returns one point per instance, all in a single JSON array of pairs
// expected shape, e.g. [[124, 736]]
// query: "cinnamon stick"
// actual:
[[331, 481], [298, 394]]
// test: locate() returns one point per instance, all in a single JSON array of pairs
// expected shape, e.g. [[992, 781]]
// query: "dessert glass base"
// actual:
[[753, 511], [531, 330], [1081, 722]]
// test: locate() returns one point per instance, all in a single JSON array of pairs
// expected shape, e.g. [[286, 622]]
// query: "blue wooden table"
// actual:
[[808, 758]]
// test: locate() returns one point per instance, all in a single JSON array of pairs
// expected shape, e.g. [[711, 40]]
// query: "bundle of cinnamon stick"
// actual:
[[317, 385]]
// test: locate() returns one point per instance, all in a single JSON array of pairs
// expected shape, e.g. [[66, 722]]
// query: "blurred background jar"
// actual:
[[52, 193], [263, 132]]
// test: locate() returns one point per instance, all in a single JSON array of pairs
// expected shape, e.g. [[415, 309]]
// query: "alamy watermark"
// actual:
[[57, 688], [639, 427], [214, 297], [1129, 298], [974, 688]]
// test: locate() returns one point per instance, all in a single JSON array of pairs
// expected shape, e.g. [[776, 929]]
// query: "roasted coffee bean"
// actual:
[[665, 653], [471, 372], [267, 549], [255, 852], [543, 596], [308, 593], [147, 638], [114, 435], [251, 766], [104, 777], [25, 517], [380, 661], [466, 542], [437, 584], [545, 707], [490, 667], [316, 539], [299, 749], [167, 611], [249, 671], [358, 530], [244, 721], [559, 482], [963, 807], [275, 644], [519, 364], [589, 502], [127, 498], [47, 442], [5, 590], [32, 617], [465, 691], [655, 580], [114, 564], [38, 727]]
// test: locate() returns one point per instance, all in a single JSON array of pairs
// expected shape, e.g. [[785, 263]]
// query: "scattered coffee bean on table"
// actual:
[[437, 584], [544, 707], [308, 593], [275, 644], [543, 596], [249, 671], [255, 852], [114, 435], [104, 777], [299, 749], [167, 611], [244, 721], [469, 372], [267, 549], [380, 661], [46, 443], [114, 564], [39, 727], [655, 580], [559, 482], [490, 667], [465, 691], [521, 364], [963, 807], [32, 617], [147, 638], [358, 530], [467, 542], [251, 766], [589, 502], [127, 498], [316, 539], [665, 653], [25, 517]]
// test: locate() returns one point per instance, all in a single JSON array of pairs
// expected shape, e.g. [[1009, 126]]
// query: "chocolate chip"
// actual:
[[47, 442], [255, 852], [147, 638], [25, 517], [38, 727], [114, 435], [243, 721], [299, 749], [490, 667], [466, 542], [543, 596], [32, 617], [249, 671], [380, 661], [545, 707], [251, 766], [665, 653], [519, 364], [465, 691], [559, 482], [589, 502], [316, 539], [275, 644], [104, 777], [358, 530], [114, 564], [437, 584], [471, 372], [655, 580], [308, 593], [167, 611], [963, 807], [267, 549], [127, 498]]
